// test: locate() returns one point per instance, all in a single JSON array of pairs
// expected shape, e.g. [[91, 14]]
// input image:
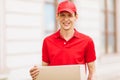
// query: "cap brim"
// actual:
[[67, 10]]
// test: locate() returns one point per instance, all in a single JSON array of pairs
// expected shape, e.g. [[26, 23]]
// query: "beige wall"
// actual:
[[21, 34], [118, 25], [2, 37]]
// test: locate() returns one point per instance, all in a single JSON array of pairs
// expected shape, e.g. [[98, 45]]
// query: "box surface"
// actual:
[[71, 72]]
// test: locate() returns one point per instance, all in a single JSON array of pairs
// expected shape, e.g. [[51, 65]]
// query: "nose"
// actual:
[[66, 18]]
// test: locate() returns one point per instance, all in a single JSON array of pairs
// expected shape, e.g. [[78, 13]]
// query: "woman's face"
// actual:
[[66, 20]]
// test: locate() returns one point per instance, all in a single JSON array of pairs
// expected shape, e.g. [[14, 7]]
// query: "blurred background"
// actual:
[[25, 23]]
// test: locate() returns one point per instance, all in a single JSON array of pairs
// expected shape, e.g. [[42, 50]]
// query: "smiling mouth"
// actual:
[[66, 24]]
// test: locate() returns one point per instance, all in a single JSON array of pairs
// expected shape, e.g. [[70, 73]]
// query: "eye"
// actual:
[[70, 15], [62, 15]]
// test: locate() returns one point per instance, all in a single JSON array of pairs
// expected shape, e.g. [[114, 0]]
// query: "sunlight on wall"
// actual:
[[23, 36]]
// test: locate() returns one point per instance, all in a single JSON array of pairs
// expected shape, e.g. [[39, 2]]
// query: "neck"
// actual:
[[67, 34]]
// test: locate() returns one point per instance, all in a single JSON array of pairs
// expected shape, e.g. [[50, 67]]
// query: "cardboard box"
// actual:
[[66, 72]]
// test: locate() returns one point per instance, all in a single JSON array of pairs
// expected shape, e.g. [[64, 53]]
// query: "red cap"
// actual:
[[66, 6]]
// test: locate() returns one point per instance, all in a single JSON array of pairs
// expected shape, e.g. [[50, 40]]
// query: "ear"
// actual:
[[57, 16], [76, 16]]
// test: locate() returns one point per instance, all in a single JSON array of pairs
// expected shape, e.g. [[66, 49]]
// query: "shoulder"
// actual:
[[84, 36], [86, 39], [52, 36]]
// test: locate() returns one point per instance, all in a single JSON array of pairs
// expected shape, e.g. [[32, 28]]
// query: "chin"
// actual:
[[66, 29]]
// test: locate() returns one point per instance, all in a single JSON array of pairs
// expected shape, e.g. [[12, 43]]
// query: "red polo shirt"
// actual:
[[78, 50]]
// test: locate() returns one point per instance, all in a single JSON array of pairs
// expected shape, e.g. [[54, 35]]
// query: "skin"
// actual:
[[66, 21]]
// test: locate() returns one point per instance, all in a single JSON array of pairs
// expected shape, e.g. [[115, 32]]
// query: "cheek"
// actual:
[[61, 20], [73, 20]]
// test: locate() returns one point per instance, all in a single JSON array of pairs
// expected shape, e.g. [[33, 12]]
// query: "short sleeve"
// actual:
[[45, 56], [90, 54]]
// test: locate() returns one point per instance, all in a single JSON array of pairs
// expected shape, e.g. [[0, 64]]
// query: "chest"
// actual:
[[74, 48]]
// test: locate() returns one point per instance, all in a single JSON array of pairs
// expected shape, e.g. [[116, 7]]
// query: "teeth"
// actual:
[[66, 23]]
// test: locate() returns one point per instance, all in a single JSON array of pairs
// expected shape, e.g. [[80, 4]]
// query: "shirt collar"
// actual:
[[76, 34]]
